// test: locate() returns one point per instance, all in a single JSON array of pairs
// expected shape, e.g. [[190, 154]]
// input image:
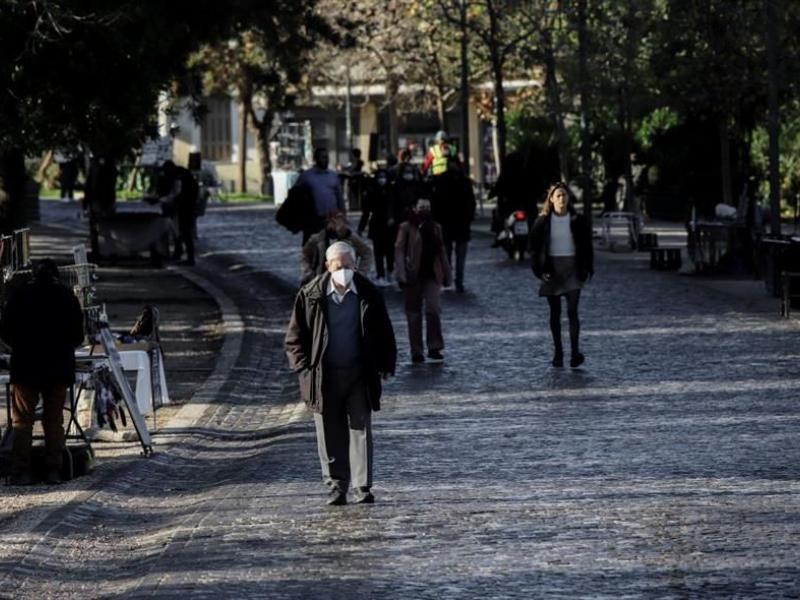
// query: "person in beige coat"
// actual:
[[421, 269]]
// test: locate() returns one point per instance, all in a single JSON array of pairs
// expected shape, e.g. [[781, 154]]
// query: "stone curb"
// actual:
[[233, 334]]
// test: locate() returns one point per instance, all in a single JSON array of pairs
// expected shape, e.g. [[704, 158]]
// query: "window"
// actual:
[[216, 130]]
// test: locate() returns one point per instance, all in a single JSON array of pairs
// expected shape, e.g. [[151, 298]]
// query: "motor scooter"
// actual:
[[514, 236]]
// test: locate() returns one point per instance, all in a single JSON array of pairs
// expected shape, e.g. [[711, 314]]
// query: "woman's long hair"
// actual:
[[547, 207]]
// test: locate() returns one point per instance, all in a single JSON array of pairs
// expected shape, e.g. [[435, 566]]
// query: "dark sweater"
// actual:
[[344, 332]]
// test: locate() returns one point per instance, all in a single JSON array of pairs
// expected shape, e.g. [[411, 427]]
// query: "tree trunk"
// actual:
[[243, 115], [725, 163], [441, 113], [464, 89], [392, 87], [583, 91], [12, 190], [499, 91], [554, 102], [627, 166], [774, 119], [100, 195], [262, 142], [41, 172]]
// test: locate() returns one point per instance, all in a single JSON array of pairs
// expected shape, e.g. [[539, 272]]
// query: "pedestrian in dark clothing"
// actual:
[[454, 210], [353, 174], [67, 176], [379, 213], [341, 344], [407, 185], [43, 324], [422, 269], [325, 190], [563, 258], [181, 202]]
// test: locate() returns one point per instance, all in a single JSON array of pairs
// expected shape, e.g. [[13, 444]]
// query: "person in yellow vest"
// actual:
[[438, 155]]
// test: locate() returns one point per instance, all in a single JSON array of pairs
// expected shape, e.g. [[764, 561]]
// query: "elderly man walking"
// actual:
[[341, 344]]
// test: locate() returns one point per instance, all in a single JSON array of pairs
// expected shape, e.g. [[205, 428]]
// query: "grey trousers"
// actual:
[[344, 429], [427, 292]]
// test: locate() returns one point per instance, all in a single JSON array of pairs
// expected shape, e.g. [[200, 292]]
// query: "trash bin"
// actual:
[[778, 254]]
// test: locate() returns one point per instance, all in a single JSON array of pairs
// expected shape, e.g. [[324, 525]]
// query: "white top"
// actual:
[[561, 242], [336, 296]]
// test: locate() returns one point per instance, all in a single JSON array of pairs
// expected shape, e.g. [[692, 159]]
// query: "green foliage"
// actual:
[[789, 154], [657, 122]]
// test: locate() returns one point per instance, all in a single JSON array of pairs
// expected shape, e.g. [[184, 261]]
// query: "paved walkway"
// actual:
[[667, 467]]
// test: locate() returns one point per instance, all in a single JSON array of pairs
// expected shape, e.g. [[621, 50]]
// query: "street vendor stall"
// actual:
[[135, 227]]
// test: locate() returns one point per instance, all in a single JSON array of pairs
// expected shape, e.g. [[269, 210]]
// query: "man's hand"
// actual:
[[385, 375], [546, 277]]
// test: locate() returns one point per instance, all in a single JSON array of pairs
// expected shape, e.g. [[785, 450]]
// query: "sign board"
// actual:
[[156, 151], [124, 387]]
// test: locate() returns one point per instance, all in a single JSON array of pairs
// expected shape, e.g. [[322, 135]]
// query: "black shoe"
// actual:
[[558, 360], [21, 479], [417, 358], [576, 360], [189, 262], [435, 356], [337, 497], [364, 496], [460, 288], [52, 477]]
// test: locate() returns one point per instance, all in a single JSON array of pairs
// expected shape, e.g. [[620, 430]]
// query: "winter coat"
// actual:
[[379, 213], [43, 324], [408, 254], [539, 246], [307, 339], [313, 254], [454, 206]]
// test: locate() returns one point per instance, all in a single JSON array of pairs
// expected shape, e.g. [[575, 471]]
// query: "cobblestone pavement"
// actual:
[[668, 467]]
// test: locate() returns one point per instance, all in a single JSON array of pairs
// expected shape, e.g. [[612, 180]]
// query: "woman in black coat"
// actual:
[[563, 258]]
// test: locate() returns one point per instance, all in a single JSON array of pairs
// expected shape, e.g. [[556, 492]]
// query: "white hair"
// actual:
[[339, 248]]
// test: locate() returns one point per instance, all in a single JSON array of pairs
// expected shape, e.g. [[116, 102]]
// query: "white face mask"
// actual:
[[342, 277]]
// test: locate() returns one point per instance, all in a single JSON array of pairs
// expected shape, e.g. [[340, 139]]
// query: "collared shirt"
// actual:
[[335, 295]]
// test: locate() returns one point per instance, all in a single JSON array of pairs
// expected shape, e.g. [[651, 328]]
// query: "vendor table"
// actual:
[[134, 227], [141, 361]]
